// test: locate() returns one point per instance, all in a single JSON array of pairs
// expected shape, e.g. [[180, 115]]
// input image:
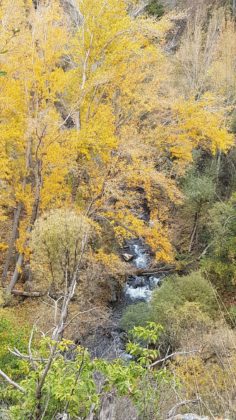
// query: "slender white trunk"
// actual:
[[234, 8]]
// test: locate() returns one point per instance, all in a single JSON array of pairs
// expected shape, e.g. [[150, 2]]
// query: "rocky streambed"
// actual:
[[109, 341]]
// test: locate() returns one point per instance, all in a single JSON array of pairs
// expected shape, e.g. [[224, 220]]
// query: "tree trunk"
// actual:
[[33, 218], [17, 216], [11, 243], [16, 273], [218, 166]]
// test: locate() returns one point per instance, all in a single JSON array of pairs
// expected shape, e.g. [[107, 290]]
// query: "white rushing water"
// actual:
[[141, 287], [141, 257], [138, 293]]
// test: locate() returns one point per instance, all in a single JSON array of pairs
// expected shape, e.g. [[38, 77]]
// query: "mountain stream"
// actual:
[[109, 342]]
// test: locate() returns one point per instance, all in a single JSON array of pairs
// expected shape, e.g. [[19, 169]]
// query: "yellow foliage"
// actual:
[[104, 78], [3, 246], [194, 124], [207, 381]]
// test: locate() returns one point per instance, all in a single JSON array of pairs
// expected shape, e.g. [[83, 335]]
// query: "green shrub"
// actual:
[[177, 290], [72, 383], [11, 335], [220, 262], [199, 190], [221, 272], [135, 315], [181, 304], [155, 8]]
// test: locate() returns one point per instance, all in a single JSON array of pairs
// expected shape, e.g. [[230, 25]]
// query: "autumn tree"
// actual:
[[197, 50], [115, 77], [33, 174], [89, 155]]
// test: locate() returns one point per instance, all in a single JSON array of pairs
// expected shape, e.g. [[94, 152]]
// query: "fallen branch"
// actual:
[[151, 271], [139, 10], [27, 294], [205, 251], [11, 382]]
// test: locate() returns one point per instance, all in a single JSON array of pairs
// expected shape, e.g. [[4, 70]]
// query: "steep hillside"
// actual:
[[117, 209]]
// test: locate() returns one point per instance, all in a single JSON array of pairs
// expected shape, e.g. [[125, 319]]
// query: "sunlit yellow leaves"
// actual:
[[86, 120], [194, 124], [35, 153], [97, 136], [111, 261]]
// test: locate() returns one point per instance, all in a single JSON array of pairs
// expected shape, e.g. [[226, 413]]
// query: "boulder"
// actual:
[[127, 257], [138, 282]]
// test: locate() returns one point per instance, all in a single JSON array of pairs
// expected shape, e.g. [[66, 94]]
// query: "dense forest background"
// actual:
[[118, 171]]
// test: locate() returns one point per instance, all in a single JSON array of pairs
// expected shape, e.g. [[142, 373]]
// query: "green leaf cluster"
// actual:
[[143, 341], [71, 385], [12, 335]]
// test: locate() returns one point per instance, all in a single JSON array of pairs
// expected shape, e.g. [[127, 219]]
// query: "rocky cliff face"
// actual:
[[72, 10]]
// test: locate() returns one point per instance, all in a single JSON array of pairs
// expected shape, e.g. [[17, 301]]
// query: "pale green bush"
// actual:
[[57, 242]]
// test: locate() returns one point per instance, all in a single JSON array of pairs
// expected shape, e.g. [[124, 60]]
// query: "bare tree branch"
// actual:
[[11, 382], [177, 353], [17, 353], [79, 313]]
